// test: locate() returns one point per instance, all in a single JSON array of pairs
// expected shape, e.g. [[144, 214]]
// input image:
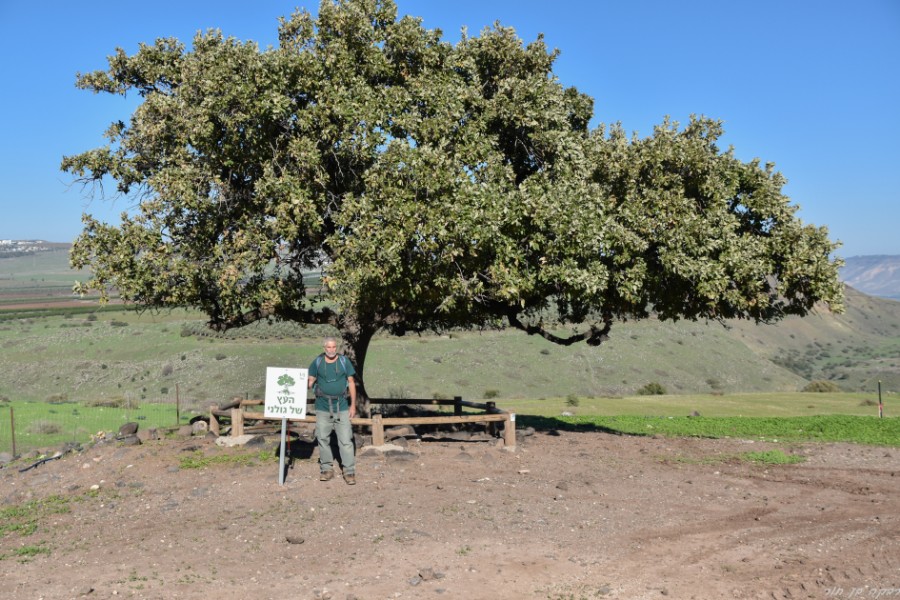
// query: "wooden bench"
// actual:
[[490, 414]]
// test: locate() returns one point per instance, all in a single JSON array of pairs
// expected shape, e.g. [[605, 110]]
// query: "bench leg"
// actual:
[[509, 430], [377, 430]]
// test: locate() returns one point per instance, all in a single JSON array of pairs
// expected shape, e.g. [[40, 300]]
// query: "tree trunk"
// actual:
[[356, 337]]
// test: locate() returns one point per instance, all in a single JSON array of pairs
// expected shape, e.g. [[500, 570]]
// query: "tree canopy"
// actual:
[[433, 184]]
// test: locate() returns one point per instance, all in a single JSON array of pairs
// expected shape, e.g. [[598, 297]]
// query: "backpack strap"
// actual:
[[342, 363]]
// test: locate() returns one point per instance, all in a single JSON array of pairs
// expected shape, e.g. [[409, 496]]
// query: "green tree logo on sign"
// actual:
[[287, 381]]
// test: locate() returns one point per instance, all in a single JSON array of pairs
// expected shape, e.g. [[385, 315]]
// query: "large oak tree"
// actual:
[[433, 184]]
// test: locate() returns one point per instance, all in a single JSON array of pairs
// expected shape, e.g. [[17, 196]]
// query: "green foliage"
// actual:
[[490, 394], [652, 389], [432, 184], [822, 387], [572, 400]]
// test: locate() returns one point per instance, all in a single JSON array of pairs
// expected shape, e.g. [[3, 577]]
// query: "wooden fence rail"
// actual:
[[238, 414]]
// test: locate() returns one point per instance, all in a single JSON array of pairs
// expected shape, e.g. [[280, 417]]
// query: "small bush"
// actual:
[[488, 394], [111, 402], [652, 389], [545, 351], [572, 400], [167, 370], [57, 398], [220, 356], [821, 386], [118, 324], [45, 428]]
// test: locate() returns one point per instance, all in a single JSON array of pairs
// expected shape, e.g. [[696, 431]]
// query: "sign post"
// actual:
[[285, 399]]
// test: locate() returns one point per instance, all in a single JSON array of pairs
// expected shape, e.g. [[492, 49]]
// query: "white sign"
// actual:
[[285, 393]]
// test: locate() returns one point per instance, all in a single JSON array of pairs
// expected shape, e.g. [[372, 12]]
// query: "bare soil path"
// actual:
[[565, 516]]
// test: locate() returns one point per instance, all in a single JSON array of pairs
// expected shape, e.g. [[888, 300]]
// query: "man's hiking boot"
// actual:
[[350, 478], [326, 475]]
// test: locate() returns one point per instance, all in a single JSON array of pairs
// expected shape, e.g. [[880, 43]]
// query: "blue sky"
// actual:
[[811, 85]]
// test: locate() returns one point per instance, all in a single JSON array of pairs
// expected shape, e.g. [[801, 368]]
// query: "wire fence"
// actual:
[[45, 426]]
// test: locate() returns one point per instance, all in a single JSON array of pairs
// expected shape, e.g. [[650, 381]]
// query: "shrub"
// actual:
[[398, 394], [821, 386], [57, 398], [167, 370], [220, 356], [652, 389], [572, 400], [111, 402], [44, 428], [488, 394], [118, 323]]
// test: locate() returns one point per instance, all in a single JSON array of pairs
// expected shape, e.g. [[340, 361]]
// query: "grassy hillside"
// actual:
[[40, 276], [143, 357], [116, 354], [854, 350]]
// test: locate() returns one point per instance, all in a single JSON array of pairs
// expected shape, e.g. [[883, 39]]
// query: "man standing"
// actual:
[[331, 376]]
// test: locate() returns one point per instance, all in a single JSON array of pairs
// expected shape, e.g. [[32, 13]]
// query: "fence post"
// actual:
[[237, 422], [509, 430], [177, 406], [457, 405], [377, 430], [12, 430], [213, 421]]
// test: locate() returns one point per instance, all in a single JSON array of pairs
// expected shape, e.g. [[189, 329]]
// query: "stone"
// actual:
[[199, 427], [130, 440], [185, 431], [399, 431], [229, 441], [127, 429], [147, 435]]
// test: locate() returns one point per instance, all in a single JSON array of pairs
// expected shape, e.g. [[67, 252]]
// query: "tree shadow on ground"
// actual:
[[553, 425]]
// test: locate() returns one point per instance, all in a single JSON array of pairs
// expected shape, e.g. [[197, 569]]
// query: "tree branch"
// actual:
[[324, 316], [593, 336]]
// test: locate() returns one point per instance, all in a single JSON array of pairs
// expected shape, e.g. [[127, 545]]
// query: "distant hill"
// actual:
[[874, 275]]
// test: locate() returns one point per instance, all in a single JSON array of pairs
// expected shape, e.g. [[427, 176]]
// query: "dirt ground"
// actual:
[[565, 515]]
